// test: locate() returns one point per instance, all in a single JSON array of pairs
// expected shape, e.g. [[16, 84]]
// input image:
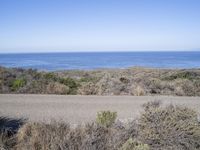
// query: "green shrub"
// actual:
[[183, 75], [37, 75], [124, 80], [134, 145], [88, 79], [106, 118], [1, 83], [18, 83], [71, 83], [171, 127], [50, 76]]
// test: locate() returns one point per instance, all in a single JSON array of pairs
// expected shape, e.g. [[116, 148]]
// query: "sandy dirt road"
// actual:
[[79, 109]]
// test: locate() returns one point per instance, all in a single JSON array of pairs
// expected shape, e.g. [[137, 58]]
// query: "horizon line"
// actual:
[[119, 51]]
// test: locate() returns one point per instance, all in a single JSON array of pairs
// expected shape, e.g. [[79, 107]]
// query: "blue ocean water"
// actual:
[[95, 60]]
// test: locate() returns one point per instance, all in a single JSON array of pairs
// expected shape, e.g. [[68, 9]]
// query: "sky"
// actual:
[[99, 25]]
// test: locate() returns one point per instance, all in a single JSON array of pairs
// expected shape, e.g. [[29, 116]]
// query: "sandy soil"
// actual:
[[77, 109]]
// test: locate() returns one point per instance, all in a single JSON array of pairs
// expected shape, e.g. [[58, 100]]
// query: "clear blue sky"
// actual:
[[99, 25]]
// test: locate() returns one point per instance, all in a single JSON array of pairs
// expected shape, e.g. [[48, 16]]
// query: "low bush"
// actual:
[[134, 145], [88, 89], [124, 80], [106, 118], [41, 136], [59, 136], [71, 83], [57, 88], [8, 129], [171, 127], [88, 79], [7, 141], [137, 91], [50, 76], [17, 83], [183, 75]]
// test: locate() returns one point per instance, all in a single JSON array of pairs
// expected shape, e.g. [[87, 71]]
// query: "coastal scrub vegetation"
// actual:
[[131, 81], [106, 118], [18, 83], [134, 145], [158, 127]]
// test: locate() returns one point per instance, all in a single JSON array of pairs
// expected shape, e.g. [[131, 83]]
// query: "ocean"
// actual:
[[97, 60]]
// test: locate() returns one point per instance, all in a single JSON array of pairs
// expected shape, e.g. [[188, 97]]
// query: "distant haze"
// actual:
[[99, 25]]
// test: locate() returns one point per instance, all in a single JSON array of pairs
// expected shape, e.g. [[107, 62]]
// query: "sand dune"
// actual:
[[77, 109]]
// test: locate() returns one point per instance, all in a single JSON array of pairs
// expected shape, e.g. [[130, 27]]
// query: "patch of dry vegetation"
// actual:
[[158, 128], [59, 136], [172, 127], [131, 81], [132, 144], [8, 129]]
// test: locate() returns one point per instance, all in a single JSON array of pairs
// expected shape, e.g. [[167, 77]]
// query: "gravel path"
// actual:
[[77, 109]]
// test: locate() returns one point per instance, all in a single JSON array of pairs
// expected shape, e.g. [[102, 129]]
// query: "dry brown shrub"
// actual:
[[138, 91], [88, 89], [179, 91], [6, 142], [122, 132], [41, 136], [188, 88], [97, 138], [132, 144], [59, 136], [57, 88], [8, 130], [171, 127]]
